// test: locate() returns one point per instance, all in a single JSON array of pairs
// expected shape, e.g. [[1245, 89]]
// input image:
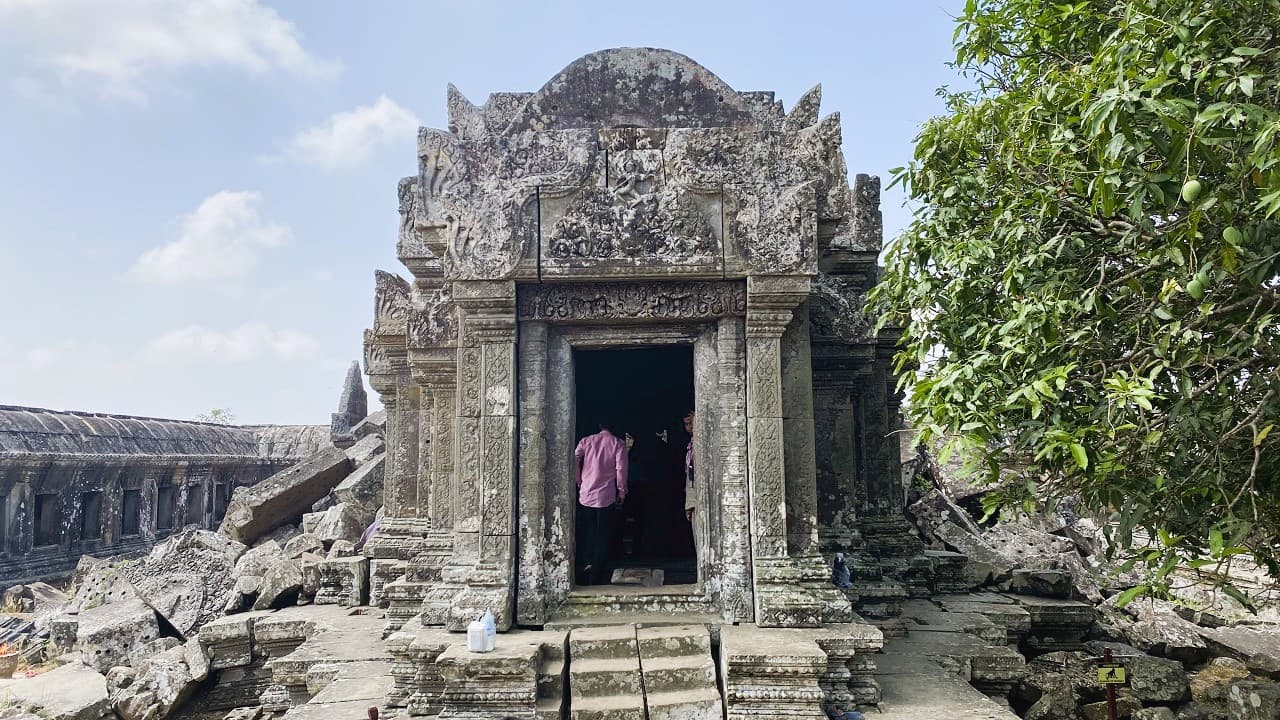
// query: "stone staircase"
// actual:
[[678, 672], [622, 672]]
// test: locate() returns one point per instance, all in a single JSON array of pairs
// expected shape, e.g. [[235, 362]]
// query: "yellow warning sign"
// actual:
[[1111, 674]]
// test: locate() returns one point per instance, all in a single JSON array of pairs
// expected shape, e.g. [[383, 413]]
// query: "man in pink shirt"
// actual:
[[600, 465]]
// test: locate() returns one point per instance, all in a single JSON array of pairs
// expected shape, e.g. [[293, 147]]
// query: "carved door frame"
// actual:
[[547, 407]]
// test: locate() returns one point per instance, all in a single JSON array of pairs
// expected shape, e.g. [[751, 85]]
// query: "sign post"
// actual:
[[1110, 674]]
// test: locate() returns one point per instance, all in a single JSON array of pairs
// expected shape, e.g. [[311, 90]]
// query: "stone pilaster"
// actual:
[[531, 580], [735, 539], [484, 552], [789, 589]]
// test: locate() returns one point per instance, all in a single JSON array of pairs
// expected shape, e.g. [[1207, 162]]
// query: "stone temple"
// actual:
[[638, 213], [635, 203]]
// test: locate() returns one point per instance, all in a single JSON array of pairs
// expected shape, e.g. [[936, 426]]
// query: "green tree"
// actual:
[[1089, 289], [220, 416]]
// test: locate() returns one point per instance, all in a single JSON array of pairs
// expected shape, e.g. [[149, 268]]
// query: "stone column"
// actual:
[[779, 602], [834, 453], [798, 430], [401, 531], [484, 551], [735, 539], [435, 372], [790, 588], [531, 596]]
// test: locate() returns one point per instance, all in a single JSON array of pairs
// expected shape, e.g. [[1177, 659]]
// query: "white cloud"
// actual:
[[115, 44], [250, 341], [219, 241], [62, 355], [347, 138]]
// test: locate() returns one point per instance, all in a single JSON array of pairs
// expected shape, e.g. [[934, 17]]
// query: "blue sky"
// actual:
[[194, 195]]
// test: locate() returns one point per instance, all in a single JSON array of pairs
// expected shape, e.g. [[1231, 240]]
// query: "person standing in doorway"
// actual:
[[600, 466]]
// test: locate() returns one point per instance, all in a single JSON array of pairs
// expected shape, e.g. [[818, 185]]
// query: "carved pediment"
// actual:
[[391, 302], [837, 310], [631, 160], [376, 361], [436, 323]]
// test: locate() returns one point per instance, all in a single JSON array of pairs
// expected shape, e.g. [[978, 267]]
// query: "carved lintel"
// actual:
[[632, 301]]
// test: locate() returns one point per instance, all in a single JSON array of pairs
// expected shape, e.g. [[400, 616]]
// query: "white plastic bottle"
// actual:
[[490, 631], [477, 640]]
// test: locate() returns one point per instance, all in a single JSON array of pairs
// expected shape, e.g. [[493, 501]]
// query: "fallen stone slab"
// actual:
[[1015, 620], [366, 449], [363, 487], [1258, 648], [1159, 630], [33, 598], [375, 424], [69, 692], [284, 497], [916, 689]]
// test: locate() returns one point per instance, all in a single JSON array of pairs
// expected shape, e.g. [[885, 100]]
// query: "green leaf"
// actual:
[[1261, 435], [1129, 595], [1081, 457]]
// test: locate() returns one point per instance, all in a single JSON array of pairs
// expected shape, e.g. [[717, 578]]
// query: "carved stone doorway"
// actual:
[[643, 393], [549, 356]]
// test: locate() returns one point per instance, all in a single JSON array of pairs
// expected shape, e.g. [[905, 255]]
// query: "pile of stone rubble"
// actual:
[[137, 638], [1204, 658]]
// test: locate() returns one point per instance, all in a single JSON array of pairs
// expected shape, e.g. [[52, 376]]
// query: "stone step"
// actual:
[[549, 708], [609, 707], [674, 640], [608, 642], [551, 678], [597, 677], [679, 674], [704, 704], [672, 600]]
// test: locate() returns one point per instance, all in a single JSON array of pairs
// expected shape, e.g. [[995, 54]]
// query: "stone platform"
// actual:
[[915, 690], [642, 668]]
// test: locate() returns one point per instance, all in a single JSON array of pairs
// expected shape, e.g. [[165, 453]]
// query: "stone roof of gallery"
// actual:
[[40, 431]]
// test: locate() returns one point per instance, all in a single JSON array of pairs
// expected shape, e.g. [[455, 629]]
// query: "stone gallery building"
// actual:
[[638, 237], [80, 483]]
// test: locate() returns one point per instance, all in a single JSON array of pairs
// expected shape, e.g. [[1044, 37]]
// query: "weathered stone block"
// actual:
[[69, 692], [1157, 680], [283, 497], [1045, 583], [302, 544], [363, 487], [366, 449], [162, 683], [343, 581], [280, 586], [343, 521], [109, 634]]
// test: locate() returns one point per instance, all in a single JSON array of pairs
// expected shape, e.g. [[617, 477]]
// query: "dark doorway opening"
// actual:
[[644, 392]]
